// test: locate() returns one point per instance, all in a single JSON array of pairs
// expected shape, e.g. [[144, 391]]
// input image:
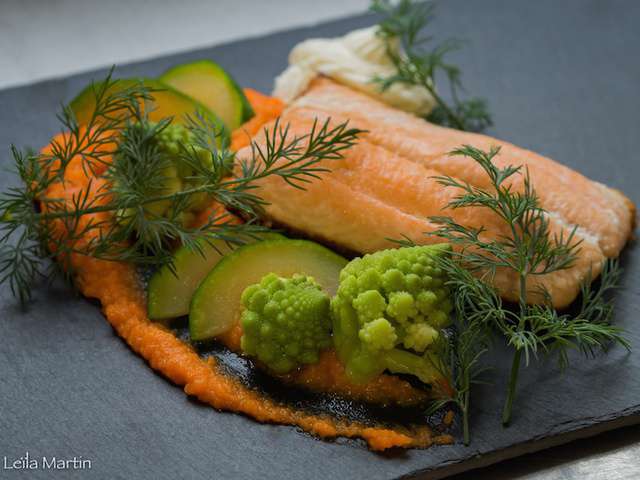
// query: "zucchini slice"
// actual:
[[216, 305], [169, 292], [212, 86], [167, 101]]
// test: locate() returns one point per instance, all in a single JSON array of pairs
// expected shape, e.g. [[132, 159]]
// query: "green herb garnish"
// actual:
[[415, 64], [135, 180], [528, 250]]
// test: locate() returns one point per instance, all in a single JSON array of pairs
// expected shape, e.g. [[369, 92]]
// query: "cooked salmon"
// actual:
[[383, 189]]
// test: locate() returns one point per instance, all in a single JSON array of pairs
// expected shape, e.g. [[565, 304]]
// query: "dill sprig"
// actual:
[[528, 250], [462, 349], [402, 23], [295, 160], [111, 217]]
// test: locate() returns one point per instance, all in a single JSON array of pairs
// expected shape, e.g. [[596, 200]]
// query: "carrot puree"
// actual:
[[265, 108], [118, 288], [328, 375]]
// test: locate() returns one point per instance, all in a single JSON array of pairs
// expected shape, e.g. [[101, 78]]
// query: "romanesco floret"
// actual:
[[378, 334], [177, 175], [286, 321], [389, 310]]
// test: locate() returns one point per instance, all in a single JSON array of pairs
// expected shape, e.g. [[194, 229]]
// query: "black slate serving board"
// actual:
[[561, 78]]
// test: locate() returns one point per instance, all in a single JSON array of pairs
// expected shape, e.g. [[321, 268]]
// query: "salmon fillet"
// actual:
[[383, 189]]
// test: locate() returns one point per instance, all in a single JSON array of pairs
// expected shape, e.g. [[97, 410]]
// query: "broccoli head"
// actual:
[[286, 321], [176, 174], [389, 311]]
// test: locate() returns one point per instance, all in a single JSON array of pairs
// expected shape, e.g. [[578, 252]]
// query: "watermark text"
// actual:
[[32, 462]]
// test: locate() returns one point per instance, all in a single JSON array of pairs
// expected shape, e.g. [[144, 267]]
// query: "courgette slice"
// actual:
[[167, 102], [216, 305], [169, 292], [208, 83]]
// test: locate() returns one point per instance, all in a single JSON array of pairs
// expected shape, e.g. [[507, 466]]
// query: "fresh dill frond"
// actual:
[[589, 329], [296, 160], [132, 208], [475, 304], [529, 249], [401, 28], [27, 239]]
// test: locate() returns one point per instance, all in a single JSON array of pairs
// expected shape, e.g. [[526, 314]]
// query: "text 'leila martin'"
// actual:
[[28, 462]]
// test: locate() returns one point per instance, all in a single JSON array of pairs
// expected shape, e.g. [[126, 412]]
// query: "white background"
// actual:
[[41, 39]]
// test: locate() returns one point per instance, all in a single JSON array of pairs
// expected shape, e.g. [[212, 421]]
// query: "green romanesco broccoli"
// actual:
[[176, 174], [286, 321], [389, 311]]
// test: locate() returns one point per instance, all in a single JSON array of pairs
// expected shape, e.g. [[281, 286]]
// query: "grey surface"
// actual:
[[610, 456], [561, 79]]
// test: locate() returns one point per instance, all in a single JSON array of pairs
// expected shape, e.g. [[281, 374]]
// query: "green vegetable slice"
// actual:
[[216, 306], [167, 102], [212, 86], [169, 293]]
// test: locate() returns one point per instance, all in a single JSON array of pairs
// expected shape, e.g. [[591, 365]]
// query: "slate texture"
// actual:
[[561, 78]]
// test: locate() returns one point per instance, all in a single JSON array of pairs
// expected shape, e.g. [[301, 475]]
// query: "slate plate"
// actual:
[[561, 79]]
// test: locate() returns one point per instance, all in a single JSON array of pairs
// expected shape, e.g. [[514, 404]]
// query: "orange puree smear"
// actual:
[[118, 288], [328, 375]]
